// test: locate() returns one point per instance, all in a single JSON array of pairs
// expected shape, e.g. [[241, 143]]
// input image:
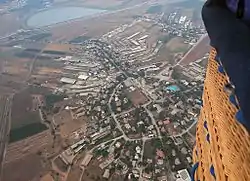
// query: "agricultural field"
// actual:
[[48, 70], [59, 48], [13, 70], [69, 127], [12, 65], [26, 168], [177, 45], [31, 145], [16, 66], [25, 116], [22, 111], [171, 48], [197, 51], [155, 34]]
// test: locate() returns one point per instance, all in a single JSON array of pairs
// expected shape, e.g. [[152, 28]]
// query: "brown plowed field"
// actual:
[[33, 144], [28, 168]]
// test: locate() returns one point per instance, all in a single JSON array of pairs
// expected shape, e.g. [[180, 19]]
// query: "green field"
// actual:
[[26, 131], [25, 120]]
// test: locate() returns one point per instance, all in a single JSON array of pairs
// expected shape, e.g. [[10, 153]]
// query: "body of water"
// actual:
[[173, 88], [58, 15]]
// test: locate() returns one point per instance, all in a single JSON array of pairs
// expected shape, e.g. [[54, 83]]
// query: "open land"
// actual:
[[177, 45], [75, 174], [47, 177], [59, 47], [27, 168], [137, 98], [22, 111], [197, 52], [93, 172], [67, 128], [5, 111], [26, 115], [31, 145]]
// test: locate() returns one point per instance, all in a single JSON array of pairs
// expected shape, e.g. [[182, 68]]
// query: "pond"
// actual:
[[172, 88], [59, 15]]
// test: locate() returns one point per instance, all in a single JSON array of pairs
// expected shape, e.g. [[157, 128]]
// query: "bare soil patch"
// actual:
[[47, 177], [26, 168], [177, 45], [93, 172], [59, 47], [137, 97], [197, 52], [67, 128], [33, 144], [75, 173]]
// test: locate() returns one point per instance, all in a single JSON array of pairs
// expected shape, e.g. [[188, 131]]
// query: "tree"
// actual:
[[119, 167], [142, 128], [158, 143], [98, 178], [39, 153], [105, 153]]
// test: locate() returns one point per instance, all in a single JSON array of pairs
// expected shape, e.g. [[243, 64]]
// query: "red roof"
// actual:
[[160, 122], [160, 153], [166, 121]]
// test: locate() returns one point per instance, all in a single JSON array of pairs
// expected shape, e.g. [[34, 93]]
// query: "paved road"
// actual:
[[154, 122], [5, 112], [184, 132], [118, 125]]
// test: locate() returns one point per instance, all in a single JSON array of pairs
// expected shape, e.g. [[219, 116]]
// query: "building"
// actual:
[[128, 82], [66, 80], [183, 175], [147, 175], [67, 156], [83, 77], [86, 160], [106, 173], [107, 162], [162, 178]]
